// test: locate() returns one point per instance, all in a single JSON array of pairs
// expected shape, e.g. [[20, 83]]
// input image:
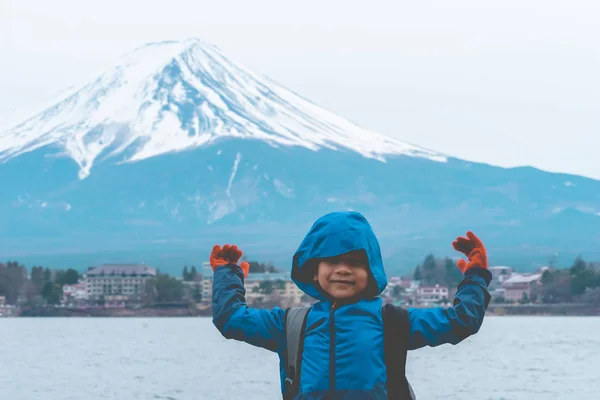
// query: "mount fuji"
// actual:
[[177, 147]]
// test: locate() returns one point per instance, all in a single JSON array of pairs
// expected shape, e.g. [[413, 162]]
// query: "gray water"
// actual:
[[529, 358]]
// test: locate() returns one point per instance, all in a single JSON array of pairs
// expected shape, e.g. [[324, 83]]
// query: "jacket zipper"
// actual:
[[332, 348]]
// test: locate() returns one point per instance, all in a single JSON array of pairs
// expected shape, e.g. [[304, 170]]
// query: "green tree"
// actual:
[[556, 286], [429, 263], [417, 275], [581, 277], [453, 275], [524, 299], [398, 291], [193, 274], [438, 272], [256, 266], [37, 278], [13, 277], [68, 277], [428, 270], [266, 287], [197, 294], [47, 290], [51, 292], [168, 288], [186, 274]]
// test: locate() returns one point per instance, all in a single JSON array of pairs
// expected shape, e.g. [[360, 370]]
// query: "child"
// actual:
[[339, 263]]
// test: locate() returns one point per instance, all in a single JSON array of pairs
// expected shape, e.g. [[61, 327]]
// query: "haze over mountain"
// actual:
[[176, 148]]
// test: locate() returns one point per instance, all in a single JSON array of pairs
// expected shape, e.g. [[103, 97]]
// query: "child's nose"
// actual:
[[343, 269]]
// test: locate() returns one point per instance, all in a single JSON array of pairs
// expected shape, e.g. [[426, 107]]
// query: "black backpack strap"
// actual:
[[295, 325], [396, 330]]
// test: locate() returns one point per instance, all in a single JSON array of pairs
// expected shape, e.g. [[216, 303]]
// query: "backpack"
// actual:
[[396, 327]]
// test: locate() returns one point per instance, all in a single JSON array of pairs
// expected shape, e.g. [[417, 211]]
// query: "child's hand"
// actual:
[[227, 255], [473, 248]]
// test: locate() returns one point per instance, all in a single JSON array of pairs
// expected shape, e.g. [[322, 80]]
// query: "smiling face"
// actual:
[[343, 276]]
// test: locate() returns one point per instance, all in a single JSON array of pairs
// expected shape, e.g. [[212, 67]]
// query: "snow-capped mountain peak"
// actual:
[[177, 95]]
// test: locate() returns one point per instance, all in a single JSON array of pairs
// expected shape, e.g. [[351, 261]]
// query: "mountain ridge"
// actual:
[[180, 166]]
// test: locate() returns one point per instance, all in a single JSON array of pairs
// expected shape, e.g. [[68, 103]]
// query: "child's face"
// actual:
[[343, 276]]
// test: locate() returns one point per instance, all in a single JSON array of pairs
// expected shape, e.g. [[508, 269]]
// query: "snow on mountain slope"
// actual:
[[172, 96]]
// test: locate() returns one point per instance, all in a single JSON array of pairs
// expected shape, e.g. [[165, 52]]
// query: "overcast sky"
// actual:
[[504, 82]]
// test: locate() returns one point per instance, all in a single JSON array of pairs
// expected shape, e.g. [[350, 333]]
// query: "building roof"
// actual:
[[268, 276], [434, 287], [406, 283], [522, 278], [121, 269], [500, 268]]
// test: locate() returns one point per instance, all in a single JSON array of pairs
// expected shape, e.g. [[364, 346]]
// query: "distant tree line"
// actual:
[[259, 267], [45, 286], [435, 271], [41, 285], [190, 275], [578, 283]]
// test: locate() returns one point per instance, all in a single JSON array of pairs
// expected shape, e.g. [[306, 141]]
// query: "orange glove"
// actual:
[[473, 248], [227, 255]]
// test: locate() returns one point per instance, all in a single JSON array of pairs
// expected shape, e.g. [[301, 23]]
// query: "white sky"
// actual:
[[512, 82]]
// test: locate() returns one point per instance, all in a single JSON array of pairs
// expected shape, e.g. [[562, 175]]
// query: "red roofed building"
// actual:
[[520, 286]]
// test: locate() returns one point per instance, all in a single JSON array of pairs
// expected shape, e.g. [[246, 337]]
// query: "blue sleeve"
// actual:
[[235, 320], [436, 326]]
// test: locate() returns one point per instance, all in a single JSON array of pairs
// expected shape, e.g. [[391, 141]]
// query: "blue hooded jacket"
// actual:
[[343, 354]]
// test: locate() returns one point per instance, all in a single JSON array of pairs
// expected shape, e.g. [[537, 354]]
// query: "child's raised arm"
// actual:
[[231, 315], [435, 326]]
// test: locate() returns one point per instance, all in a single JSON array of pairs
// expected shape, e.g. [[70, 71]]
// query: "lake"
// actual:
[[514, 358]]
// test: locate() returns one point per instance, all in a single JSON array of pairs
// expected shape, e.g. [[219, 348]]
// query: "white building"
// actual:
[[207, 274], [75, 293], [7, 310], [282, 284], [432, 294], [126, 281]]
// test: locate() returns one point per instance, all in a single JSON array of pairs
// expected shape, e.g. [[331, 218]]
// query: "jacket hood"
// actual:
[[332, 235]]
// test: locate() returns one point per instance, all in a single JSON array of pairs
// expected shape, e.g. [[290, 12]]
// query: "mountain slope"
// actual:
[[172, 96]]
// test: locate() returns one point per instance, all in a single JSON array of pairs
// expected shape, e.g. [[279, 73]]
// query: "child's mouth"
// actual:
[[342, 282]]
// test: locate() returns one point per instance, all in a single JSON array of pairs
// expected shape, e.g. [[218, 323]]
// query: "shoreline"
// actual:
[[498, 310], [567, 309], [97, 312]]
